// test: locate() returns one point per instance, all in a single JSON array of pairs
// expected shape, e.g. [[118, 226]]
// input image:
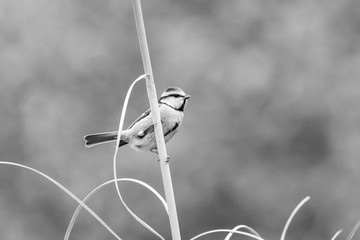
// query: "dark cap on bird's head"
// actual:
[[174, 92]]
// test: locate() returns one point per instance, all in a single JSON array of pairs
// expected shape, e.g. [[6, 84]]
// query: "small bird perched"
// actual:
[[140, 134]]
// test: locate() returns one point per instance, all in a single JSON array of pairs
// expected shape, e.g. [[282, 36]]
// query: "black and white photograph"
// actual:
[[170, 120]]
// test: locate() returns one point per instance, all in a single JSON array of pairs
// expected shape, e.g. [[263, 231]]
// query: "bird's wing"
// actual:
[[147, 131], [142, 116]]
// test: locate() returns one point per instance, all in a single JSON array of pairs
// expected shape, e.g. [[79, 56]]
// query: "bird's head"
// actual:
[[174, 97]]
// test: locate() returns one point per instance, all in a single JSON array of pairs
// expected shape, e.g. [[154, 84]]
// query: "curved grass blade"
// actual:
[[67, 192], [78, 209], [336, 234], [249, 229], [292, 216], [121, 123], [353, 231], [227, 231]]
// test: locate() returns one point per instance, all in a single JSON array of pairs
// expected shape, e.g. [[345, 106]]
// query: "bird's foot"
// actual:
[[167, 159]]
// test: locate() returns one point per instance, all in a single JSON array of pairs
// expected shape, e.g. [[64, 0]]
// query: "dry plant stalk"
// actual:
[[150, 86]]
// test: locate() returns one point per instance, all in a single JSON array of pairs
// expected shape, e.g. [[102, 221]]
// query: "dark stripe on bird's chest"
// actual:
[[182, 106], [172, 129]]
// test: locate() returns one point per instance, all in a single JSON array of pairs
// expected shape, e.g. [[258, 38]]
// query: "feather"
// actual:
[[98, 138]]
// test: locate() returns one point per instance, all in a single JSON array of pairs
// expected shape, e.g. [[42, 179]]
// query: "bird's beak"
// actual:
[[187, 96]]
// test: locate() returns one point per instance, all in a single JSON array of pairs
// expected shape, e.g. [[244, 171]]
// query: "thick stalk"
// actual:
[[150, 86]]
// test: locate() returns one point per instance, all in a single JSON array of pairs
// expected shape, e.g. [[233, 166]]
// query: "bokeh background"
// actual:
[[274, 115]]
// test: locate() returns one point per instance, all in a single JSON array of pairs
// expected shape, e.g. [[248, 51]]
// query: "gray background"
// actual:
[[273, 117]]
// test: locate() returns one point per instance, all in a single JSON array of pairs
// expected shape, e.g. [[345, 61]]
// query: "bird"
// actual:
[[140, 134]]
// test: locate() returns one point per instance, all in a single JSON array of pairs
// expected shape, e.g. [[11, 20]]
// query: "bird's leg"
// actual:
[[167, 159], [155, 151]]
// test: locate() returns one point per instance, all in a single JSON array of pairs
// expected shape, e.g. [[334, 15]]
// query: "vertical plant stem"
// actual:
[[150, 86]]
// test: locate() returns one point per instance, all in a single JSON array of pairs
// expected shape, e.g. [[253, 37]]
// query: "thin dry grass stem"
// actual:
[[67, 192], [249, 229], [121, 123], [353, 231], [292, 216], [150, 86], [336, 234], [227, 231], [78, 209]]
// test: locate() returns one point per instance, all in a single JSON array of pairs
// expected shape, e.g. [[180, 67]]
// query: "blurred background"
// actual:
[[273, 117]]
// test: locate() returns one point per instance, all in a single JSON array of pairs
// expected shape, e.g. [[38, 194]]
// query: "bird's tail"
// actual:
[[99, 138]]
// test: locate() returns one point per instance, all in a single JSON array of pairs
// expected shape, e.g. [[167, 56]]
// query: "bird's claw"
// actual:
[[167, 159]]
